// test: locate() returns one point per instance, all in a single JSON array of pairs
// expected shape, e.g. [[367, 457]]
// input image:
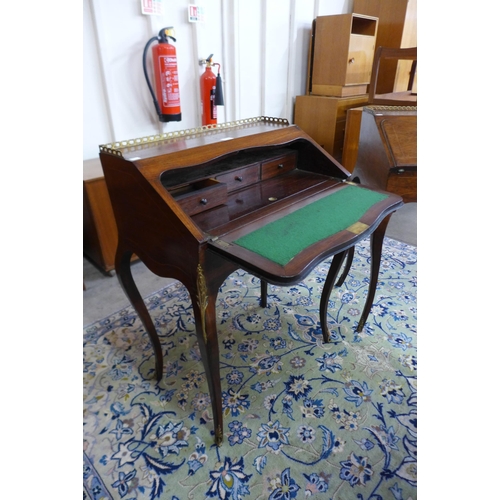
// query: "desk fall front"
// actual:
[[256, 194]]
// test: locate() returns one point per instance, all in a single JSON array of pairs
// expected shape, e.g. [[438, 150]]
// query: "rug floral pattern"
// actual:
[[302, 419]]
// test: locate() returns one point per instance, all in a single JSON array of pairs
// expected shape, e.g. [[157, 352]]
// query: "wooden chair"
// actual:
[[404, 98]]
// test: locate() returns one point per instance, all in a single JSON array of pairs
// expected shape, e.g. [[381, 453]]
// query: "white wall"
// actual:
[[262, 47]]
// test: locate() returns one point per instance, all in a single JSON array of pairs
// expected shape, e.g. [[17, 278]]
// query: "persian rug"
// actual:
[[301, 418]]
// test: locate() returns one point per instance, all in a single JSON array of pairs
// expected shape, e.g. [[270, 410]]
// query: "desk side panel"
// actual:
[[372, 165], [147, 224]]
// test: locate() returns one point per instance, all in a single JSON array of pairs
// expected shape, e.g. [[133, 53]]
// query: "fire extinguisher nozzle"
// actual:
[[219, 98]]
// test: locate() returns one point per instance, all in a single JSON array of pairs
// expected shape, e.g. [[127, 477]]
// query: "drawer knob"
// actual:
[[281, 165], [239, 178], [203, 201], [351, 60]]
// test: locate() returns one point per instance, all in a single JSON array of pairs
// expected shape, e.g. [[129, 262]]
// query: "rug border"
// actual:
[[95, 474]]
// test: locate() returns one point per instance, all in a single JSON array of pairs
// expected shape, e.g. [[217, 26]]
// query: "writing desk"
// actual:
[[387, 150], [256, 194]]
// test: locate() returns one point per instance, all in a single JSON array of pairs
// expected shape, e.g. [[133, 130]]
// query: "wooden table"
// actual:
[[197, 205]]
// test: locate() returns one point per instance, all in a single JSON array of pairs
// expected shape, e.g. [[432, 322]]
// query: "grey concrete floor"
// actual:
[[103, 295]]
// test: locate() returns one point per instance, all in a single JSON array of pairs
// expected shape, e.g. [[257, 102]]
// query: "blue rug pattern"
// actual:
[[302, 419]]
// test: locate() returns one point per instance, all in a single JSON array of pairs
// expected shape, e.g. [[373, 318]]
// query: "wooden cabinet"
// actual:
[[100, 235], [342, 55], [397, 28], [340, 61], [324, 119]]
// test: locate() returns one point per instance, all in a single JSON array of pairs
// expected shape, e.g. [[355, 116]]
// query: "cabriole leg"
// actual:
[[204, 308], [124, 275], [263, 293], [377, 241], [348, 263], [325, 294], [214, 381]]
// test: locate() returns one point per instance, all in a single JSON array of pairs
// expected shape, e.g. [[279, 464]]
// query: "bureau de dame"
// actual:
[[256, 194]]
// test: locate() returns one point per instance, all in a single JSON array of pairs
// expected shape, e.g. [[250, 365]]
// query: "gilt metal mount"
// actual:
[[117, 148]]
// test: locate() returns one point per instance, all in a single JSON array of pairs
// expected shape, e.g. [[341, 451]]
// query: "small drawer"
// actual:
[[200, 196], [236, 179], [278, 166], [211, 219]]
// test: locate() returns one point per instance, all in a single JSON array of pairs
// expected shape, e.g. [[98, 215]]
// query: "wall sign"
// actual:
[[196, 14], [152, 7]]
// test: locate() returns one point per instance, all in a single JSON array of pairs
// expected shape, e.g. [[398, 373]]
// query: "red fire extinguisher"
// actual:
[[167, 98], [211, 93]]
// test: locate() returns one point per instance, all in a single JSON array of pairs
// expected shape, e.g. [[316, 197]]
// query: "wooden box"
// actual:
[[342, 55]]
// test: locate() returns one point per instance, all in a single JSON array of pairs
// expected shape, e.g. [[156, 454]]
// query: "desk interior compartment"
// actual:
[[200, 195]]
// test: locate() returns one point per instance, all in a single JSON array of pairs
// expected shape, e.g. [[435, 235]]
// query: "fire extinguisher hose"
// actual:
[[144, 57]]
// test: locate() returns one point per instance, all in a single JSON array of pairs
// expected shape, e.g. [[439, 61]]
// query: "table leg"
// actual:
[[124, 275], [327, 290], [348, 263], [206, 330], [377, 241], [211, 273], [263, 293]]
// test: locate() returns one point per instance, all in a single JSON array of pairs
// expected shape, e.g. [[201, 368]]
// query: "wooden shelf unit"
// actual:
[[342, 55]]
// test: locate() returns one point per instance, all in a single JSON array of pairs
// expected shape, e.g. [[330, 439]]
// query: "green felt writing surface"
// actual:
[[284, 238]]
